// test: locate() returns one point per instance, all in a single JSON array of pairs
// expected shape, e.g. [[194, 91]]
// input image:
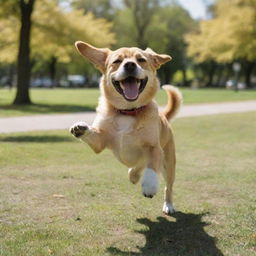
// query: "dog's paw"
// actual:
[[134, 175], [150, 183], [168, 208], [78, 129]]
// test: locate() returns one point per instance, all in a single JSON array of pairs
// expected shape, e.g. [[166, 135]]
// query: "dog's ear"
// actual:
[[97, 56], [158, 59]]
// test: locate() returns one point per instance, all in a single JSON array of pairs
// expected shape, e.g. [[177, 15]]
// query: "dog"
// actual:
[[128, 121]]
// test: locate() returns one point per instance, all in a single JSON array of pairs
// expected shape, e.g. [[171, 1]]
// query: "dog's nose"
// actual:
[[130, 66]]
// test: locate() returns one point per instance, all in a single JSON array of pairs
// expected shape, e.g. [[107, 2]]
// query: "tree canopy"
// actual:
[[45, 32], [41, 29], [54, 31], [229, 36]]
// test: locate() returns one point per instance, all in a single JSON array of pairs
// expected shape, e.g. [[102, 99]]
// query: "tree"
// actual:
[[178, 24], [156, 24], [229, 36], [142, 14], [100, 8], [53, 35], [133, 17], [23, 63], [61, 32]]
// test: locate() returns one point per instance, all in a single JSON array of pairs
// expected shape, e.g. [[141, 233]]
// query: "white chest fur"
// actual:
[[124, 124]]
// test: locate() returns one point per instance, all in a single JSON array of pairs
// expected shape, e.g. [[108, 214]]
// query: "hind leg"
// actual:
[[169, 176], [135, 174]]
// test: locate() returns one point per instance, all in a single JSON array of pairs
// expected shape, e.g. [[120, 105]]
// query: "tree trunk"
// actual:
[[184, 77], [52, 69], [217, 82], [24, 66], [211, 72], [248, 73], [167, 76]]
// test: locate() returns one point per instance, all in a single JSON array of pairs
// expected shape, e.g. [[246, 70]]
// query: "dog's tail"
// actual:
[[174, 101]]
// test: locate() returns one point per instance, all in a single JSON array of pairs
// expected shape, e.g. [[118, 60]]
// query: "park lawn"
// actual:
[[48, 101], [58, 198]]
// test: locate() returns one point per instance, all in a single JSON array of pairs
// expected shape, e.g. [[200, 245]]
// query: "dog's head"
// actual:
[[129, 74]]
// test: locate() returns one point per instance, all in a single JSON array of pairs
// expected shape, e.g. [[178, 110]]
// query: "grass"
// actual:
[[59, 198], [75, 100], [50, 101]]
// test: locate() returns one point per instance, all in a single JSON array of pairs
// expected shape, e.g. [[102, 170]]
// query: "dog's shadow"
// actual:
[[185, 237]]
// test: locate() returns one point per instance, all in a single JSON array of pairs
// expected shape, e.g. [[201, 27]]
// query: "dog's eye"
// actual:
[[141, 60], [117, 61]]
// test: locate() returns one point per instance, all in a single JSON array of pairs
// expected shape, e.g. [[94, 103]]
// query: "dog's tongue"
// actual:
[[131, 89]]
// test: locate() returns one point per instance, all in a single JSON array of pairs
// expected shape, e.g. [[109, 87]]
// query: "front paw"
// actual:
[[78, 129], [150, 183]]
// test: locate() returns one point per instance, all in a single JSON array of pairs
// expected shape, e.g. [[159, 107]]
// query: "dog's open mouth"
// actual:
[[130, 87]]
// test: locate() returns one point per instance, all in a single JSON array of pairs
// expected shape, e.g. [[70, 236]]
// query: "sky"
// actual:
[[196, 8]]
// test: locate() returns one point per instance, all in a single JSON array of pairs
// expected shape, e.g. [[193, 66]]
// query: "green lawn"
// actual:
[[59, 198], [50, 101], [74, 100]]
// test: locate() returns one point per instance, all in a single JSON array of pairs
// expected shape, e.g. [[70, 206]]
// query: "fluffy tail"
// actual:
[[174, 101]]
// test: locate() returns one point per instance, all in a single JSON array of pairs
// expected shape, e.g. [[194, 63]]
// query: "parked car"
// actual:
[[42, 82], [76, 80], [230, 84]]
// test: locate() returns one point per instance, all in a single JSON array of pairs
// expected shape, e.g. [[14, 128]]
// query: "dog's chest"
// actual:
[[126, 144], [124, 124]]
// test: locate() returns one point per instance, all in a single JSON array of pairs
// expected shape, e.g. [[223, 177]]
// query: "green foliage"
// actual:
[[9, 8], [178, 23], [142, 14], [158, 25], [124, 28], [178, 76], [66, 28], [228, 36], [9, 38], [54, 32], [158, 29], [100, 8]]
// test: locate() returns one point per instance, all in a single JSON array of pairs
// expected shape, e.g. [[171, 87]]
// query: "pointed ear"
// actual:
[[158, 59], [95, 55]]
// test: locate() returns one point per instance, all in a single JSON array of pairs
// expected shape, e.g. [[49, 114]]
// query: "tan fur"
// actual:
[[174, 101], [144, 141]]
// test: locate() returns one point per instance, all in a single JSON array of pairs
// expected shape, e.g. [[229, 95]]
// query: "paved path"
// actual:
[[64, 121]]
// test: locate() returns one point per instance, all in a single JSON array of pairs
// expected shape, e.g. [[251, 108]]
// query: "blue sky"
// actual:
[[196, 8]]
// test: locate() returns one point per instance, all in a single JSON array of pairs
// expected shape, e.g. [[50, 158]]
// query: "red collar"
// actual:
[[130, 112]]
